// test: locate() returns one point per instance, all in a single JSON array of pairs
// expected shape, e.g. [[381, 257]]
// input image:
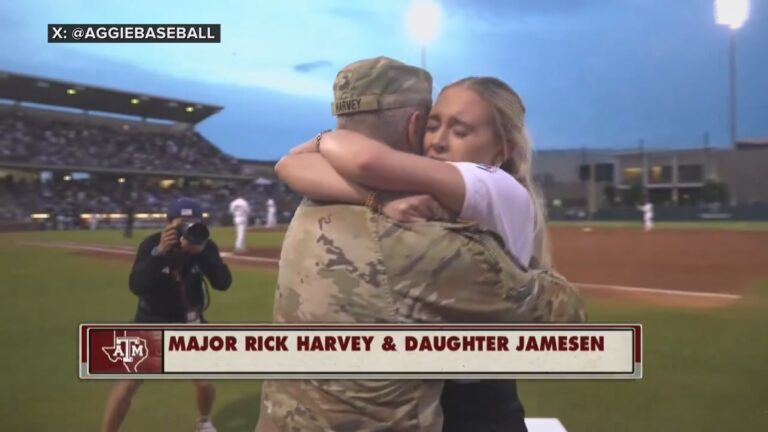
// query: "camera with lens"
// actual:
[[196, 233]]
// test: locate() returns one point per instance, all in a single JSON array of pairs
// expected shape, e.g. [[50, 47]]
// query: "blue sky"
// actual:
[[596, 73]]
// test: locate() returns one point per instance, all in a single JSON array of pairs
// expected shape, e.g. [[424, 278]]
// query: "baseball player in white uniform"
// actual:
[[647, 210], [240, 210], [271, 213], [93, 222]]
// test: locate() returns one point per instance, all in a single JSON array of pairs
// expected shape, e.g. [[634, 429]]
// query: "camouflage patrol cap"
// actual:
[[378, 84]]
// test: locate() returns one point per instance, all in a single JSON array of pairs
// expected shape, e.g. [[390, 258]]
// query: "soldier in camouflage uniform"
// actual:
[[347, 264]]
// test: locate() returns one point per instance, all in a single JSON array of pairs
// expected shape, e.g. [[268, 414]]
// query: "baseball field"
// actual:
[[700, 290]]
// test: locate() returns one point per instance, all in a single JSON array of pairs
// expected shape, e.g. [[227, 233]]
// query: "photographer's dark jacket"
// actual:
[[154, 279]]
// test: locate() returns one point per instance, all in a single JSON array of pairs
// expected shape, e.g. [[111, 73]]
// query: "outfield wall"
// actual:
[[753, 212]]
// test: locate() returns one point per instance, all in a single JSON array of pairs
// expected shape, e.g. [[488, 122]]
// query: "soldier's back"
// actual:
[[461, 273], [331, 271], [343, 264]]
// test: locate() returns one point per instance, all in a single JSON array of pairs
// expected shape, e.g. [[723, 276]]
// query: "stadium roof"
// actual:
[[750, 144], [27, 88], [24, 166]]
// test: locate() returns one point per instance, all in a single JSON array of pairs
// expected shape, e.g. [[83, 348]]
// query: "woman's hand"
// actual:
[[414, 208]]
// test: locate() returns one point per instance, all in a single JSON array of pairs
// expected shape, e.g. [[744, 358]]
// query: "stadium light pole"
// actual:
[[732, 13], [422, 22]]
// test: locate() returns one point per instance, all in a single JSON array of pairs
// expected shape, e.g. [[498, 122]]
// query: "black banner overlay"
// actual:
[[134, 33]]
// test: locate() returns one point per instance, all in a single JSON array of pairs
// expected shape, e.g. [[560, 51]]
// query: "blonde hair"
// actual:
[[509, 114]]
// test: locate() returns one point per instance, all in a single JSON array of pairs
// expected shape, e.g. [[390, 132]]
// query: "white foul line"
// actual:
[[126, 251], [230, 255], [658, 291], [121, 250]]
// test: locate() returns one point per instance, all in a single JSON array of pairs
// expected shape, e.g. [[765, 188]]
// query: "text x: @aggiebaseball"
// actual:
[[210, 33]]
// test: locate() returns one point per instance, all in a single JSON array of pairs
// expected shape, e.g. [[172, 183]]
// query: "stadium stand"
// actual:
[[99, 194], [71, 150], [34, 139]]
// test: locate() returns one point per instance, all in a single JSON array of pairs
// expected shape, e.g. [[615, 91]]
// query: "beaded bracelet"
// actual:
[[372, 203], [320, 137]]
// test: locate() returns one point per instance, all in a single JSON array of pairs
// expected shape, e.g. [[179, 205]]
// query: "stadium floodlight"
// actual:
[[71, 91], [190, 109], [422, 22], [135, 101], [121, 180], [731, 13]]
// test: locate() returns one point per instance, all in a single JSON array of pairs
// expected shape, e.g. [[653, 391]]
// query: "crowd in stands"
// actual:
[[31, 139], [35, 138], [21, 198]]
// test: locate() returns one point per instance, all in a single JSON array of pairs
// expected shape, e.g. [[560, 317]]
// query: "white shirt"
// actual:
[[271, 205], [647, 210], [240, 209], [500, 203]]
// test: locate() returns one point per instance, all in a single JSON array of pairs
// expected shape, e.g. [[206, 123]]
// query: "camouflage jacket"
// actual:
[[344, 264]]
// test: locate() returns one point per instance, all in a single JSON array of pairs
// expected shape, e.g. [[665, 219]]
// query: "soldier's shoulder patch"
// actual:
[[489, 168]]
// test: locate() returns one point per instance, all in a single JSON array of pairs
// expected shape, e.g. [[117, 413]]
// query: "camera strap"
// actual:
[[191, 314]]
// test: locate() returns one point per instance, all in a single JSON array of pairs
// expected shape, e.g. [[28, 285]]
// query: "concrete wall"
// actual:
[[746, 173], [557, 174]]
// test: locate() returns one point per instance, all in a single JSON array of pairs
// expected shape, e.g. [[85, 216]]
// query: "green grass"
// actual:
[[711, 225], [704, 370], [47, 293]]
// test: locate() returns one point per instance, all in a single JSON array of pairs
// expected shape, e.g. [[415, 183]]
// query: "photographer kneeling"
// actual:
[[168, 276]]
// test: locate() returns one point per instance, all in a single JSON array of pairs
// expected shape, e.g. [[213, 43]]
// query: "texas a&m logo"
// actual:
[[128, 350]]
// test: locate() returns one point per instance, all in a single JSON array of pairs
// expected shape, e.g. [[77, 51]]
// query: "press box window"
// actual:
[[631, 176], [660, 174], [692, 173], [603, 172]]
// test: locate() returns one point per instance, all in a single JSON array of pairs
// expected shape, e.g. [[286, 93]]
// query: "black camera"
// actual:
[[196, 233]]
